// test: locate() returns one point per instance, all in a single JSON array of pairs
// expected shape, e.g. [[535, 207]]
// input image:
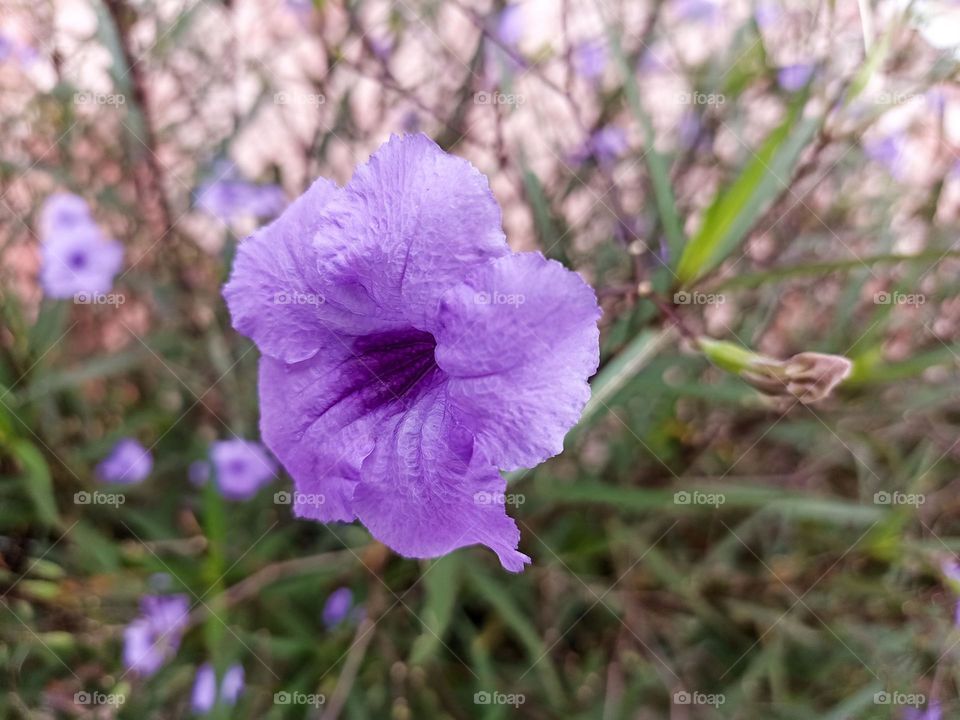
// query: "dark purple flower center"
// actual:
[[394, 367], [237, 466], [77, 260]]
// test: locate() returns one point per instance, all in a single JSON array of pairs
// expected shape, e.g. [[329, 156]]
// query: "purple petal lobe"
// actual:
[[419, 487], [411, 223], [518, 341], [204, 695]]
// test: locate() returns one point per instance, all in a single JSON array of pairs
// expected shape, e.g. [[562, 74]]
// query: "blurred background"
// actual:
[[782, 175]]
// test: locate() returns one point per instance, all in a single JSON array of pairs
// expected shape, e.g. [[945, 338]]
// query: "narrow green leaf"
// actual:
[[442, 582], [39, 484], [736, 208]]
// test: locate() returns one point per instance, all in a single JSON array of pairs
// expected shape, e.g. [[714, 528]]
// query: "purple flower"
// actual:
[[932, 712], [605, 145], [696, 10], [889, 152], [337, 606], [767, 13], [129, 462], [230, 198], [204, 696], [241, 468], [795, 77], [501, 58], [436, 357], [77, 257], [198, 472], [153, 637], [590, 59]]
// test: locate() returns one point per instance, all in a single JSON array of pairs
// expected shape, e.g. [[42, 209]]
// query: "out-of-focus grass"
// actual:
[[693, 537]]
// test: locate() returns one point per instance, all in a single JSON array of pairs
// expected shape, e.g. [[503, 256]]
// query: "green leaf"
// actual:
[[736, 209], [442, 581], [39, 484]]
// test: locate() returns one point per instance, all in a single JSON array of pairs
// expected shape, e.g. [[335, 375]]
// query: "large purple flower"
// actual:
[[77, 257], [153, 637], [408, 353]]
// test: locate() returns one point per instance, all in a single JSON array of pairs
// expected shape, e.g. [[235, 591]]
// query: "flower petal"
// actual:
[[518, 340], [280, 298], [423, 493], [411, 223]]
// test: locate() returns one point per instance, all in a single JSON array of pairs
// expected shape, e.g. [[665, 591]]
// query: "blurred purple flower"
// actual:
[[501, 54], [337, 607], [931, 712], [229, 198], [795, 77], [696, 10], [889, 152], [6, 46], [129, 462], [590, 59], [951, 570], [767, 13], [400, 395], [198, 472], [153, 637], [241, 467], [606, 146], [688, 129], [204, 696], [77, 257]]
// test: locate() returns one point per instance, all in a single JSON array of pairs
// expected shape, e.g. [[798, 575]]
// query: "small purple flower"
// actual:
[[931, 712], [241, 468], [767, 13], [795, 77], [889, 152], [696, 10], [129, 462], [153, 637], [77, 257], [590, 59], [501, 58], [951, 570], [204, 696], [437, 356], [198, 472], [606, 146], [230, 198], [337, 607]]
